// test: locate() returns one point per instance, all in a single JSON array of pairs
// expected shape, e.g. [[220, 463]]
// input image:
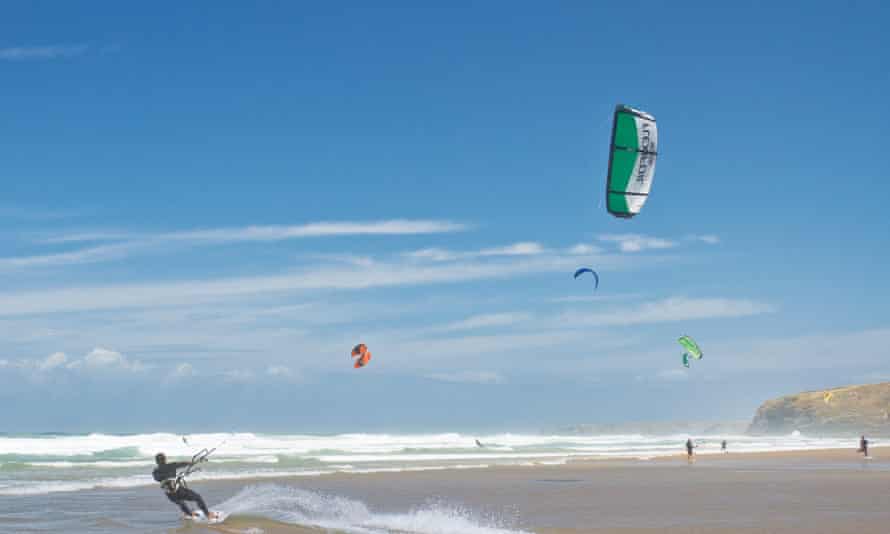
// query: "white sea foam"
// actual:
[[46, 464], [306, 508]]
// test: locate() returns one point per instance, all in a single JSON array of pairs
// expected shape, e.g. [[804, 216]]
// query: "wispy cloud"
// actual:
[[259, 233], [598, 298], [672, 309], [637, 242], [123, 244], [640, 243], [282, 372], [101, 358], [316, 278], [486, 321], [98, 359], [85, 237], [583, 249], [709, 239], [81, 256], [469, 377], [523, 248], [41, 53], [56, 359], [182, 371]]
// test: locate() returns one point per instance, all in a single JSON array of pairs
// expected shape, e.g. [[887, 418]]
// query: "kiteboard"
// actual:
[[199, 517]]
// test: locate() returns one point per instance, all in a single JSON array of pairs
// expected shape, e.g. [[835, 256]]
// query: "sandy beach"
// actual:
[[812, 492]]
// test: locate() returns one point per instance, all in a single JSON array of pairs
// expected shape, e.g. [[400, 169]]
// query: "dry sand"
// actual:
[[789, 492]]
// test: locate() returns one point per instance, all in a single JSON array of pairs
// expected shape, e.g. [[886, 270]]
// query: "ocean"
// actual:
[[74, 482]]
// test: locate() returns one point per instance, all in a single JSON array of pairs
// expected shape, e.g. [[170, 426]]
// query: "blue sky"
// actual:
[[211, 203]]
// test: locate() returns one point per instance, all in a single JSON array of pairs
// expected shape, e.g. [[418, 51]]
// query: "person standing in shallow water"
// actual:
[[723, 446], [689, 450], [863, 446]]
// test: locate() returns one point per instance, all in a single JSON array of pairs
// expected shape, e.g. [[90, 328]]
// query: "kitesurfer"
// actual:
[[863, 446], [175, 489]]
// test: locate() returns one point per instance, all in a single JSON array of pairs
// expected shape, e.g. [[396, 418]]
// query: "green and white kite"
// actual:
[[692, 350], [632, 155]]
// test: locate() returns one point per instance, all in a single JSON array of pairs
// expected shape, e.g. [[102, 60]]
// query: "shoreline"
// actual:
[[837, 454], [844, 455], [816, 491]]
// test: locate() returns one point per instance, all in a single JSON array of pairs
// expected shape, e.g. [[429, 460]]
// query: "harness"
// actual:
[[171, 485]]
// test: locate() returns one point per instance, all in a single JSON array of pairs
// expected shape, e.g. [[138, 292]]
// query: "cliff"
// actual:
[[843, 410]]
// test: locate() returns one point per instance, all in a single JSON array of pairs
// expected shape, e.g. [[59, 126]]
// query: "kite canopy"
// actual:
[[596, 277], [362, 354], [632, 154], [692, 349]]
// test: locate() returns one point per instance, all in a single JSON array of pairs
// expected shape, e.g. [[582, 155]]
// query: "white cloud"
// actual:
[[637, 242], [259, 233], [672, 309], [129, 243], [598, 298], [433, 254], [100, 357], [182, 371], [85, 255], [105, 359], [486, 320], [96, 360], [523, 248], [709, 239], [469, 377], [56, 359], [319, 229], [582, 249], [279, 371], [85, 237], [33, 53], [330, 278]]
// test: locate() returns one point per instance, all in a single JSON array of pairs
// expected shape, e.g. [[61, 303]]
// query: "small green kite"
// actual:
[[692, 350]]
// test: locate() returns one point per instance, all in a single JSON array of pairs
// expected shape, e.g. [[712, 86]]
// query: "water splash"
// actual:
[[297, 506]]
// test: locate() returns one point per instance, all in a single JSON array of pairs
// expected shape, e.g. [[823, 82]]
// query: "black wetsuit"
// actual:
[[166, 475], [863, 446]]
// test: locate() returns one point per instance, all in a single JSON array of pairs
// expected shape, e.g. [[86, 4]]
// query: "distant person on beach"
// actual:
[[174, 488], [863, 446], [723, 446], [689, 450]]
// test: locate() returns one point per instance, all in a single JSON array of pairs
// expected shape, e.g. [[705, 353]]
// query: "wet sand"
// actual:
[[788, 492]]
